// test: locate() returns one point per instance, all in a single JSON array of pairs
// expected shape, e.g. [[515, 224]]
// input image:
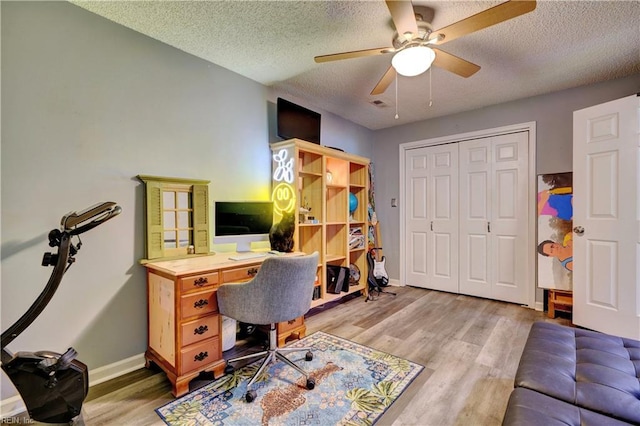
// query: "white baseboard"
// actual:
[[395, 283], [14, 405], [117, 369], [11, 407]]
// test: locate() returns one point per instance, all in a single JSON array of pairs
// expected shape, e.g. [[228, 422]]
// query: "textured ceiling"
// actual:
[[561, 44]]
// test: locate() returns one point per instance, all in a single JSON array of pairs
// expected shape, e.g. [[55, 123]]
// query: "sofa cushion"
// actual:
[[530, 408], [591, 370]]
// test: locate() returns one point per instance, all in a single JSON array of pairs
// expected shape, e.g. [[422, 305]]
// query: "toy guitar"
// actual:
[[374, 283], [379, 271]]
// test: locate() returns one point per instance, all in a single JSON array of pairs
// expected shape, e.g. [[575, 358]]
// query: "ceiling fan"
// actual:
[[414, 42]]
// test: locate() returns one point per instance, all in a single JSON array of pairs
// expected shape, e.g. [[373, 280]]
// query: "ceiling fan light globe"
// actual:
[[413, 61]]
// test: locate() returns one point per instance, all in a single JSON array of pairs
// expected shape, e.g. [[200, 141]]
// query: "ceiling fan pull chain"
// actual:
[[430, 97], [396, 96]]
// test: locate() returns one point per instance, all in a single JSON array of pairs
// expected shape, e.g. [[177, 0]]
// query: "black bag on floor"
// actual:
[[337, 279]]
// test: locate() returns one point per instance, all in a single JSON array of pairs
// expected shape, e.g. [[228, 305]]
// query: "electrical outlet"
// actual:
[[394, 202]]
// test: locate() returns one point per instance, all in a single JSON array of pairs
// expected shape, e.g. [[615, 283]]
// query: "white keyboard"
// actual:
[[247, 255]]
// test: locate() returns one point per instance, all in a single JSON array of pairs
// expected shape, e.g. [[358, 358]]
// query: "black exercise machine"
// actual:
[[53, 386]]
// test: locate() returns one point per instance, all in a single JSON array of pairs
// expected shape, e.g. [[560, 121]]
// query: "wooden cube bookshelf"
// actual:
[[322, 179]]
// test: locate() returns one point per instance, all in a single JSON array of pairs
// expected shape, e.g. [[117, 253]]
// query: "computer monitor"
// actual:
[[242, 223]]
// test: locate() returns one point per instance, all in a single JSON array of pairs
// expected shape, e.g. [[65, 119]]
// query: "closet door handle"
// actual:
[[488, 226], [432, 225]]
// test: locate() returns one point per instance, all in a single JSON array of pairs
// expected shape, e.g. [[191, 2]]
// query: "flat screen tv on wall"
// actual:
[[298, 122]]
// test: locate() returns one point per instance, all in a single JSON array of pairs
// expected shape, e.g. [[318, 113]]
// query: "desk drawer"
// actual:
[[200, 303], [200, 329], [199, 355], [240, 274], [285, 326], [198, 281]]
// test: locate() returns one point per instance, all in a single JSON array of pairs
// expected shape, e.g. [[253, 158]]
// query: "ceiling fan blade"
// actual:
[[454, 64], [353, 54], [384, 82], [484, 19], [403, 16]]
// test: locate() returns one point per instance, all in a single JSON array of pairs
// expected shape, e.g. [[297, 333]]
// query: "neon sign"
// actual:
[[284, 199], [283, 195], [284, 168]]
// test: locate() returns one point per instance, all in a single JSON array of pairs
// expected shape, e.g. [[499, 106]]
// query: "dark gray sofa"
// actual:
[[578, 377]]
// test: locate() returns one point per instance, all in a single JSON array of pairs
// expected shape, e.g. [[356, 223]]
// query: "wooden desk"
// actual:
[[184, 325]]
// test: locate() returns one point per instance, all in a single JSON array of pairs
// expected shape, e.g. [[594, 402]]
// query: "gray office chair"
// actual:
[[281, 291]]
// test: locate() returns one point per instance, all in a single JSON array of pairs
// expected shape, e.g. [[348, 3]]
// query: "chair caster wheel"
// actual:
[[308, 356], [311, 383], [250, 396], [229, 369]]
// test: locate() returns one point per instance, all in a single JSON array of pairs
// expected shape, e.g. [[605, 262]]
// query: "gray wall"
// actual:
[[553, 114], [86, 106]]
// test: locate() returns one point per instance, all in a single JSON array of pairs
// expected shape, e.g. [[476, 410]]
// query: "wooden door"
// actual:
[[605, 218], [494, 217], [431, 240]]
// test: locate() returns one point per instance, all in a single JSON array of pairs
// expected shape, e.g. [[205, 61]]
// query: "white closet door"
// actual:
[[510, 217], [432, 217], [476, 181], [494, 217], [606, 241], [417, 219]]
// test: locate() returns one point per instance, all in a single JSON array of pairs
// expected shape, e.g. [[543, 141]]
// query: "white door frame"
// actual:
[[529, 127]]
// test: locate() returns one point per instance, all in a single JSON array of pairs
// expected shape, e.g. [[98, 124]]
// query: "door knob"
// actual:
[[579, 230]]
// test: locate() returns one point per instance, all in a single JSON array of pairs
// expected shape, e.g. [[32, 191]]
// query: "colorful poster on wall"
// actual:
[[555, 237]]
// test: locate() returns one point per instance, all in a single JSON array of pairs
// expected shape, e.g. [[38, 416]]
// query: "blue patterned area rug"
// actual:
[[355, 385]]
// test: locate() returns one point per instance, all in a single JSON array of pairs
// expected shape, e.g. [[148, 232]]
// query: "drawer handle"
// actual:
[[201, 303], [201, 330], [201, 356], [201, 281], [291, 322], [252, 271]]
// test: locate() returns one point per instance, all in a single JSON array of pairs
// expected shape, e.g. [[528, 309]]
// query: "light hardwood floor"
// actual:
[[470, 348]]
